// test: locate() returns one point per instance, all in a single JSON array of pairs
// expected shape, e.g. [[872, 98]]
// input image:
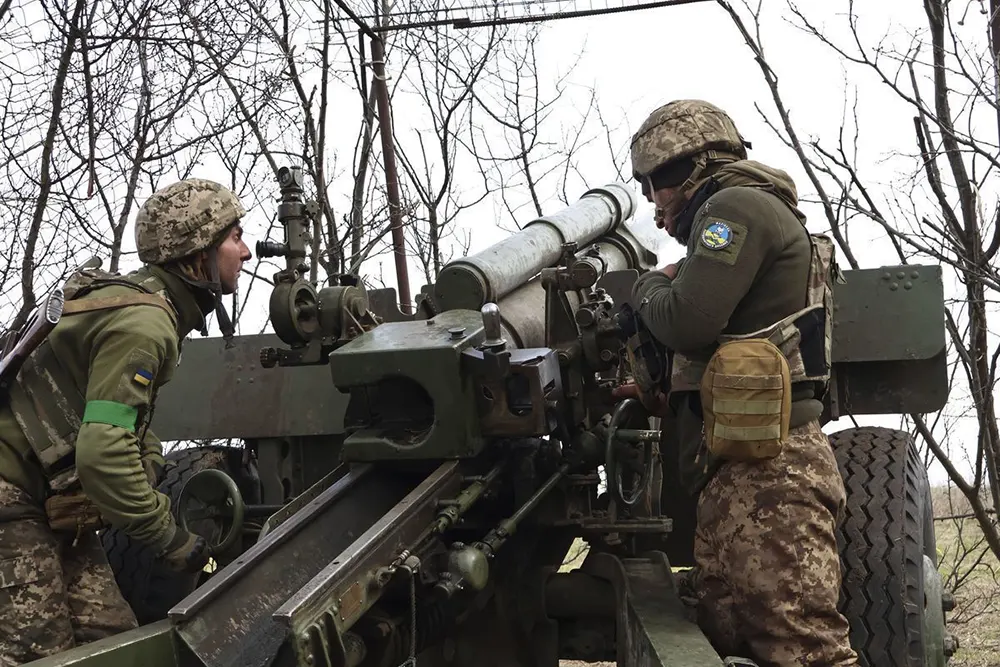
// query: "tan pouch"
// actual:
[[746, 397], [72, 512]]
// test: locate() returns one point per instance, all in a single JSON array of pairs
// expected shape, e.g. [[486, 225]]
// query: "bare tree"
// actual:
[[107, 103], [444, 69]]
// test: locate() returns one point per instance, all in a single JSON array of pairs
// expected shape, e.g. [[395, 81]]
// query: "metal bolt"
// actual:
[[900, 275], [893, 286], [584, 317], [950, 645], [886, 276], [947, 601], [607, 355], [907, 285], [456, 332], [914, 275]]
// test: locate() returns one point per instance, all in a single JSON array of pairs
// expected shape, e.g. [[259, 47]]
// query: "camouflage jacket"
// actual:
[[107, 365]]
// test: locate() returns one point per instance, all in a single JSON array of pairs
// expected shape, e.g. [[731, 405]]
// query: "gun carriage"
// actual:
[[406, 488]]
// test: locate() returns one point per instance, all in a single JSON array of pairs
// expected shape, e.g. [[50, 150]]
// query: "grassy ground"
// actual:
[[967, 567]]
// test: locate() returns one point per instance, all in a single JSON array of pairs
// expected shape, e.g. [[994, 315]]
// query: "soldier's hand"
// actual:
[[670, 270], [186, 552], [656, 405]]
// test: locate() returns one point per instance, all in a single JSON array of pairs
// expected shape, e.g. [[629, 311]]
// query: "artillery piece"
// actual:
[[408, 486]]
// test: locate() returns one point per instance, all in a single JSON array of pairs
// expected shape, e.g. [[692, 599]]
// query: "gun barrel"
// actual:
[[490, 275], [522, 310]]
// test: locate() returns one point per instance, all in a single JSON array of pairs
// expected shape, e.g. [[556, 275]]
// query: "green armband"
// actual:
[[112, 413]]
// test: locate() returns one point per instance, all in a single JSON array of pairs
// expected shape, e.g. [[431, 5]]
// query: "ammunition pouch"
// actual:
[[72, 512], [746, 398]]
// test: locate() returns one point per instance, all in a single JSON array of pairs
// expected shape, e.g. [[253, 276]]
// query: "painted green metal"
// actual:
[[888, 349], [653, 627], [152, 645], [889, 314], [410, 398], [224, 393], [889, 353]]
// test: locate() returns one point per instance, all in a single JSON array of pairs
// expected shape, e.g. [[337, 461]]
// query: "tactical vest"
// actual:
[[804, 337], [44, 398]]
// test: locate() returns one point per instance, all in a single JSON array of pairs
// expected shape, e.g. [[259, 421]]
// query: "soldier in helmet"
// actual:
[[745, 318], [76, 451]]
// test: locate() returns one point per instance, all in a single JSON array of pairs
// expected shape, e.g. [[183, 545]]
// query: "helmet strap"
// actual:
[[685, 219], [700, 162], [225, 324], [214, 286]]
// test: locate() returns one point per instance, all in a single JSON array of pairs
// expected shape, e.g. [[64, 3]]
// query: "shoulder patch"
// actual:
[[717, 235], [720, 240]]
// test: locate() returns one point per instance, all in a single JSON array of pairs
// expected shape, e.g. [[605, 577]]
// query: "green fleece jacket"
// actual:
[[117, 358], [759, 277], [746, 267]]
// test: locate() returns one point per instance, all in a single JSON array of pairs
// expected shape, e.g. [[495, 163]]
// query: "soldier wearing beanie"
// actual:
[[76, 452], [745, 321]]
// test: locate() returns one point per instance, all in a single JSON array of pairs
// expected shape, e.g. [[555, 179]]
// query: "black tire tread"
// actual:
[[881, 544], [133, 562]]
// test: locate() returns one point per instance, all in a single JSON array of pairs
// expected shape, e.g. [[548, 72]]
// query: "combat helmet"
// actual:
[[182, 219], [686, 129]]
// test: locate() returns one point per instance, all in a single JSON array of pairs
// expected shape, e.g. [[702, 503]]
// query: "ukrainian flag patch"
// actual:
[[143, 377]]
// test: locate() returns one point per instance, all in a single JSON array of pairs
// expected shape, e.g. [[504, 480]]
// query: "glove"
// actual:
[[186, 552]]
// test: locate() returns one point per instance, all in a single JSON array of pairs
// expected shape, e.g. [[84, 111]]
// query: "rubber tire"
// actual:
[[887, 528], [147, 584]]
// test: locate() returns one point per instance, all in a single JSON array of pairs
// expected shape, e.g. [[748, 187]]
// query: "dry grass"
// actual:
[[966, 566], [970, 569]]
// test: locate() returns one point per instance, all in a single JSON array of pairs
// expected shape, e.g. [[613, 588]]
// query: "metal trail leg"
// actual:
[[652, 629]]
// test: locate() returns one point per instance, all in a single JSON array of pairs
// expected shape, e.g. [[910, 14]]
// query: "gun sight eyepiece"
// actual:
[[271, 249]]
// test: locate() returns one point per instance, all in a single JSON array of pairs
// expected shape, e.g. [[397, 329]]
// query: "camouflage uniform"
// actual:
[[767, 567], [75, 448]]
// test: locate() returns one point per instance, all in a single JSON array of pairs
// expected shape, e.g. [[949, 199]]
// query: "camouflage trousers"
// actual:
[[53, 595], [768, 571]]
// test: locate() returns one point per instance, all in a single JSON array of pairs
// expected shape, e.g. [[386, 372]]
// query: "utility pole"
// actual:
[[391, 175]]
